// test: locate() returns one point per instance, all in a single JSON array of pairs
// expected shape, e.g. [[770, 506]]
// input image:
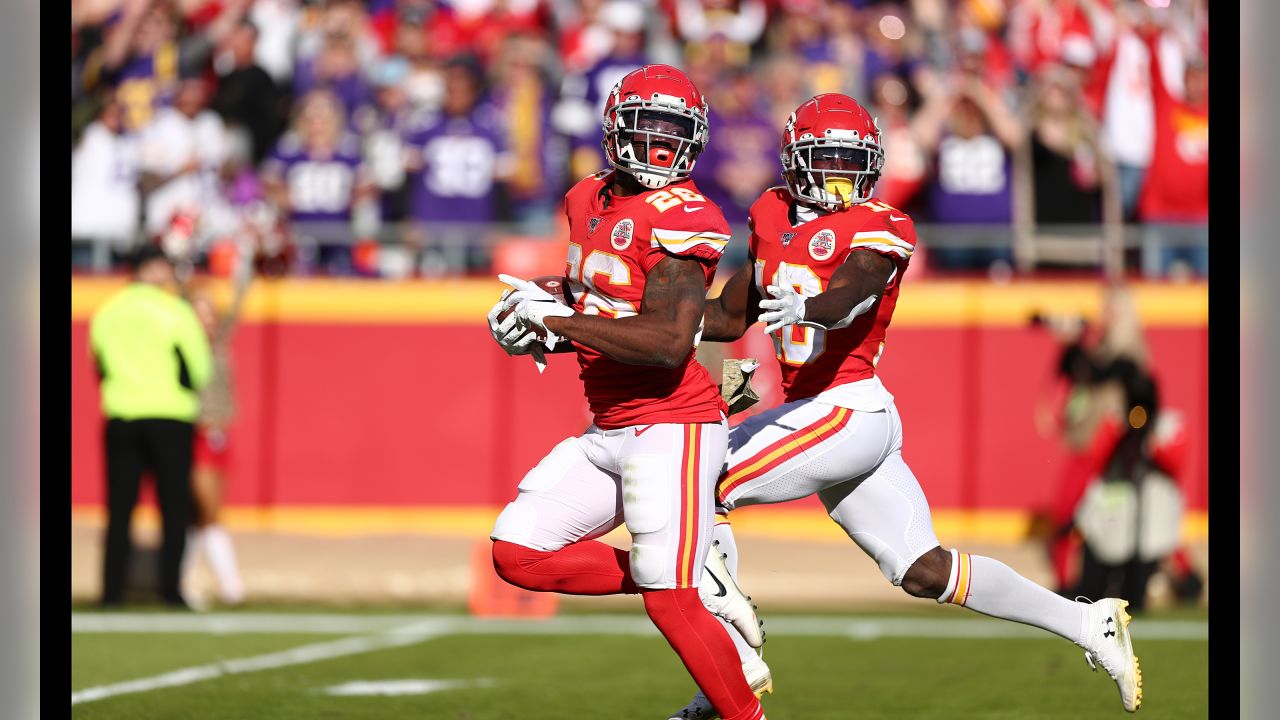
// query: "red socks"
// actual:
[[583, 568], [594, 568], [705, 649]]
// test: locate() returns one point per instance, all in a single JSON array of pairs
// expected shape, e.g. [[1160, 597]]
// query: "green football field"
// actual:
[[285, 665]]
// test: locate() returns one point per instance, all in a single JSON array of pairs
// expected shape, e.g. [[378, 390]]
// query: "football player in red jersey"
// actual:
[[643, 249], [825, 268]]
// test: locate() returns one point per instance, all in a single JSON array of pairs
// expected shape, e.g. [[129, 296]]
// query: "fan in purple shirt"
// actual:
[[316, 176], [455, 154], [742, 161], [337, 68], [455, 160]]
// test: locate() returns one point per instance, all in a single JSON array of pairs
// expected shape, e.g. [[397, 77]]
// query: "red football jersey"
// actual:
[[805, 256], [613, 243]]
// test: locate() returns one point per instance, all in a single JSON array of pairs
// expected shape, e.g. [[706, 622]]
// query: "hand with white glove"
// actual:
[[533, 306], [786, 307], [513, 336]]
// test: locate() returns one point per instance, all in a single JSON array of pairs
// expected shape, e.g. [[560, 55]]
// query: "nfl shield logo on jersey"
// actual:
[[621, 236], [787, 238], [823, 244], [592, 224]]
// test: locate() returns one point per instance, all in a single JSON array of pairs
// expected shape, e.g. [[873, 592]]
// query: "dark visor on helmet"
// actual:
[[664, 123], [839, 158]]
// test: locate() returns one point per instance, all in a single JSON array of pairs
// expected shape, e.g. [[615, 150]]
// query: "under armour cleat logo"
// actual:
[[1110, 631]]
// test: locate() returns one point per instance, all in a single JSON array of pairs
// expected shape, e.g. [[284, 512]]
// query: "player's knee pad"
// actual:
[[516, 522], [646, 493], [649, 563]]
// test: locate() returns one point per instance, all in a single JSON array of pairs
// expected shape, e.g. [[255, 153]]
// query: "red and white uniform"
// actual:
[[652, 457], [838, 435], [805, 256], [614, 242]]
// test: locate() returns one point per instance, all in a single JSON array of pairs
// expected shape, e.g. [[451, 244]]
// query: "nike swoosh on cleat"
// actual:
[[723, 590], [692, 209]]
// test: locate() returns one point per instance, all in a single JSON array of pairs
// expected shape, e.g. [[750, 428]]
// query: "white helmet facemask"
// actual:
[[655, 141], [809, 167]]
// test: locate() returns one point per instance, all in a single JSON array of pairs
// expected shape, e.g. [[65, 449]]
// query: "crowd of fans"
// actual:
[[312, 132]]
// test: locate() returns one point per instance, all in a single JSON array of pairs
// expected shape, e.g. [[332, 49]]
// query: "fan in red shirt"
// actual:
[[1174, 203], [643, 248]]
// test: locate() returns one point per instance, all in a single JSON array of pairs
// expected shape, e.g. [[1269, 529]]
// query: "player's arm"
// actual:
[[662, 334], [856, 286], [728, 315]]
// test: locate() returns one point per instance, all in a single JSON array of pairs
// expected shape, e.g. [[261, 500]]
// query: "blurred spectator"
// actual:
[[892, 48], [207, 537], [783, 92], [181, 155], [478, 27], [1175, 197], [1043, 30], [246, 95], [317, 177], [277, 22], [1116, 432], [457, 157], [739, 23], [1066, 157], [335, 68], [1127, 109], [584, 38], [384, 127], [819, 38], [981, 54], [144, 56], [320, 22], [152, 359], [524, 96], [742, 157], [551, 64], [104, 189], [972, 137], [583, 94], [905, 161]]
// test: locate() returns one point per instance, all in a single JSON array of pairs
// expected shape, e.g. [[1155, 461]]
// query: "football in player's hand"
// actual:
[[556, 286]]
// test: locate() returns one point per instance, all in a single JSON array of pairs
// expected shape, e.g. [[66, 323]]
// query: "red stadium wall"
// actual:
[[376, 395]]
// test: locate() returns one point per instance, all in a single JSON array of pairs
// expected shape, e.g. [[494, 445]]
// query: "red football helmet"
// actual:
[[655, 125], [831, 153]]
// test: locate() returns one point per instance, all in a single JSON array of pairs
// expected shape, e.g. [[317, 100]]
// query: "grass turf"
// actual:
[[557, 676]]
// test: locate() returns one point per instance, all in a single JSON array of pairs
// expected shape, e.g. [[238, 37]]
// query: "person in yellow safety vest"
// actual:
[[152, 358]]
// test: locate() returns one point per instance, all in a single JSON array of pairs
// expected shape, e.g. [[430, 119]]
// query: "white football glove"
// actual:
[[534, 305], [786, 307], [513, 336]]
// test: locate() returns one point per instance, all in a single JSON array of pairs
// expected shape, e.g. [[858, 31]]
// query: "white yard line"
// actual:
[[387, 688], [393, 631], [854, 627], [399, 637]]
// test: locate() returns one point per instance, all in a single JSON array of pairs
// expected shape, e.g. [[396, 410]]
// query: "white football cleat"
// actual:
[[700, 708], [1107, 643], [722, 596]]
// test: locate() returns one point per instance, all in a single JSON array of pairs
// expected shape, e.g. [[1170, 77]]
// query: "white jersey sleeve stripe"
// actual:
[[677, 236], [883, 247], [680, 241], [885, 236]]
